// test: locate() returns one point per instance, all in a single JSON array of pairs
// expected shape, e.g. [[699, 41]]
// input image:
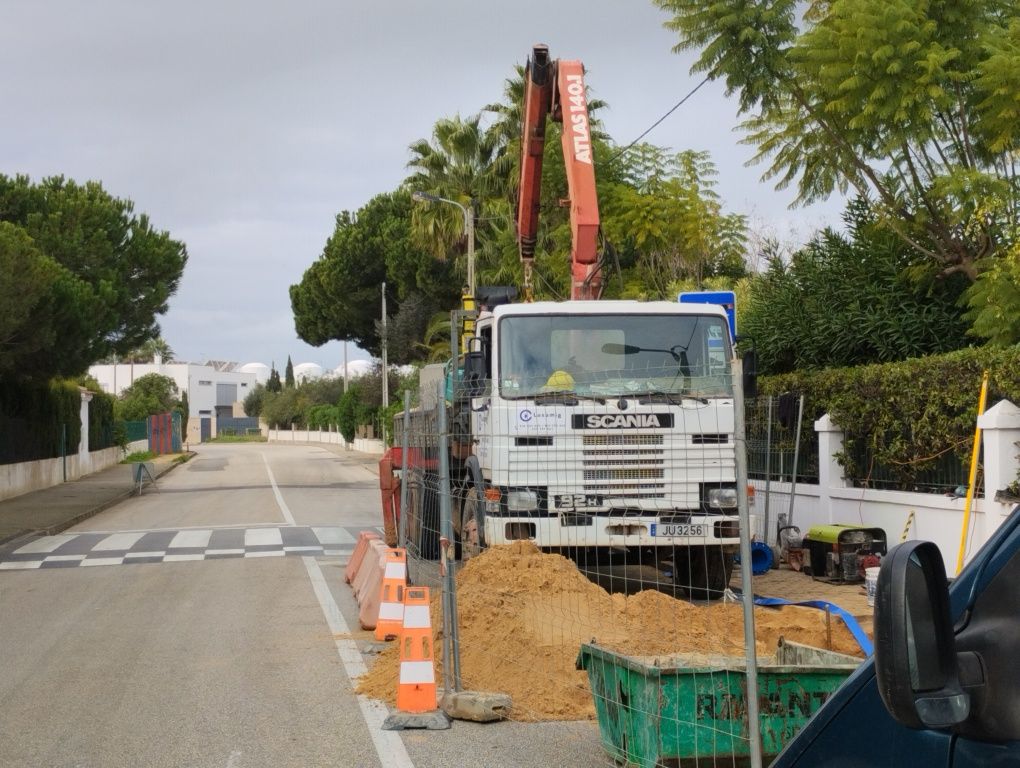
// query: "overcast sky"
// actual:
[[243, 128]]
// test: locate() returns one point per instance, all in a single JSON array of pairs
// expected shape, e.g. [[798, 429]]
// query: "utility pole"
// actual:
[[385, 367]]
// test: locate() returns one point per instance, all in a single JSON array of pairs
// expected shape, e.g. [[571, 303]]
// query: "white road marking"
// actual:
[[198, 539], [102, 561], [388, 744], [262, 536], [224, 551], [139, 554], [182, 558], [333, 535], [279, 496], [272, 553], [117, 542], [17, 565], [64, 558], [45, 544], [302, 549]]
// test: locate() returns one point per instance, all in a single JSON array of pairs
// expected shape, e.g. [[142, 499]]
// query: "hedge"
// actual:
[[909, 415], [33, 419]]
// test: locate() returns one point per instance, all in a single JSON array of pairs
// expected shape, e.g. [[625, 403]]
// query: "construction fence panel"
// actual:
[[592, 547]]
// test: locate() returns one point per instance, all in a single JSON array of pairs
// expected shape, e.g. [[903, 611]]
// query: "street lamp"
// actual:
[[469, 229]]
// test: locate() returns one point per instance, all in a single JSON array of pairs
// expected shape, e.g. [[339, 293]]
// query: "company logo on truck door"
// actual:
[[622, 420], [578, 109]]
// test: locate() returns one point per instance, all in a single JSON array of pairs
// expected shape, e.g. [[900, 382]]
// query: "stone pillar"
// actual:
[[83, 442], [1000, 426], [830, 473]]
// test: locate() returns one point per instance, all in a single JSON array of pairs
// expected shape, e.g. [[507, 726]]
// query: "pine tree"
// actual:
[[289, 375], [273, 385]]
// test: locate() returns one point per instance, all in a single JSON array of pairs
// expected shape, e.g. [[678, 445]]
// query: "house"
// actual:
[[215, 389]]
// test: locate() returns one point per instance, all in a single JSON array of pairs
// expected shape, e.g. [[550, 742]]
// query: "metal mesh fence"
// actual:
[[583, 543]]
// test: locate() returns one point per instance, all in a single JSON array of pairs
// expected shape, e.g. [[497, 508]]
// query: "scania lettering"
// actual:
[[623, 421]]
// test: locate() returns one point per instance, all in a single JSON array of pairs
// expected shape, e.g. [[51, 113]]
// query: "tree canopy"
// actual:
[[148, 395], [92, 276], [845, 299], [911, 104]]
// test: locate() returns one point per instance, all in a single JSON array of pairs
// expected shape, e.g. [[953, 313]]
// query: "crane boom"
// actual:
[[556, 89]]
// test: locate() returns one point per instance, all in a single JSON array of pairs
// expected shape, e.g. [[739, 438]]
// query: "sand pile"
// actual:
[[523, 615]]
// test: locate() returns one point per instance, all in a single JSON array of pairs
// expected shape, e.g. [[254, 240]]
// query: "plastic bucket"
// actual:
[[871, 583]]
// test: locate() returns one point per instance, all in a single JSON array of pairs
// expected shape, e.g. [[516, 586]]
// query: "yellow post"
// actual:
[[972, 479], [468, 326]]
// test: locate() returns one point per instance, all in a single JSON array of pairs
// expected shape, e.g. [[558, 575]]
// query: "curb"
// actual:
[[92, 512]]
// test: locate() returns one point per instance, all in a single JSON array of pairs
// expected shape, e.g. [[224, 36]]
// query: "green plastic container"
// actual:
[[656, 712]]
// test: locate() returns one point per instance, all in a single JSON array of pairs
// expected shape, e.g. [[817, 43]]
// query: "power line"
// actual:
[[654, 125]]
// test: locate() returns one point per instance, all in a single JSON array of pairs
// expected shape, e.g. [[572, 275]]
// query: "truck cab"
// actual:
[[604, 430], [942, 688]]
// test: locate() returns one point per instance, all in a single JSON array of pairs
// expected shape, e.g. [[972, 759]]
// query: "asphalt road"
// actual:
[[215, 630]]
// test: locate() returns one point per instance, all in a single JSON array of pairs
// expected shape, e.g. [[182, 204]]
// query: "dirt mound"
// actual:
[[523, 615]]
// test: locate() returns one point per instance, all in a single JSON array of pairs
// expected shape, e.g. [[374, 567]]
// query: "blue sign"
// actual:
[[726, 299]]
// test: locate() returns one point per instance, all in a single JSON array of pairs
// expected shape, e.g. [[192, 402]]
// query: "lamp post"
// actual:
[[469, 229]]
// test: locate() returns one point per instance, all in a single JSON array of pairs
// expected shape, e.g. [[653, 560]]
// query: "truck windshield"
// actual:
[[614, 355]]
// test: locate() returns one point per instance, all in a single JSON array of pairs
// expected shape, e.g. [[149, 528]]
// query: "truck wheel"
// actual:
[[710, 571]]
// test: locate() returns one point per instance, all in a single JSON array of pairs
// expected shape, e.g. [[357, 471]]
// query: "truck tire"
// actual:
[[710, 571]]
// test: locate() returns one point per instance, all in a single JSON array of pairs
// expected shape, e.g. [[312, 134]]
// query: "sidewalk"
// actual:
[[55, 509]]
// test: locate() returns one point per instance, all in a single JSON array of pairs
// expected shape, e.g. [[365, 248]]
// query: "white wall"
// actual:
[[936, 517], [327, 437]]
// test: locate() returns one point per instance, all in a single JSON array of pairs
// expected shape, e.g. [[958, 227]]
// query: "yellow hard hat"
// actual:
[[559, 380]]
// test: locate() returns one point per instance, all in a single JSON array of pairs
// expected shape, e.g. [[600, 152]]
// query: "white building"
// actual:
[[307, 372], [214, 391]]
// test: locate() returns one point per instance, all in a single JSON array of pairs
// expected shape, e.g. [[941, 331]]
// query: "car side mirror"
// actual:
[[915, 649]]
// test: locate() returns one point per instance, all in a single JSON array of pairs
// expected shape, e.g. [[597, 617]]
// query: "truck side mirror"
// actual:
[[475, 374], [750, 377], [915, 649]]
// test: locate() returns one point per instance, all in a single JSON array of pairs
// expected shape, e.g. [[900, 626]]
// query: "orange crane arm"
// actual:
[[556, 89]]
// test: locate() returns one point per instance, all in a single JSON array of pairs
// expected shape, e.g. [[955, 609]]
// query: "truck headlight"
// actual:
[[722, 498], [522, 501]]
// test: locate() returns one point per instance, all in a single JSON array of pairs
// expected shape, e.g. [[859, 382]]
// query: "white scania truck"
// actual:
[[599, 429]]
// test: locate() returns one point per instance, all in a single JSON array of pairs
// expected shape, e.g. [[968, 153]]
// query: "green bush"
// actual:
[[103, 429], [35, 417], [909, 414]]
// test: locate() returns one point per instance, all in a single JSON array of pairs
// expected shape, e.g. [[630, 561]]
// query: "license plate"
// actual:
[[679, 529]]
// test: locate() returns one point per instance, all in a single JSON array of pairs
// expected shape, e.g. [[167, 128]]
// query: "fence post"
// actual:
[[830, 473], [1000, 427], [750, 649], [446, 551], [402, 532]]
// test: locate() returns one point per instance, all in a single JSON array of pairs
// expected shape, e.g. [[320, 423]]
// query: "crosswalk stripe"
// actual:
[[117, 542], [188, 539], [333, 536], [45, 544], [254, 537]]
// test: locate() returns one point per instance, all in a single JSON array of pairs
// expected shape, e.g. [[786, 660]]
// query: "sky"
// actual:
[[244, 128]]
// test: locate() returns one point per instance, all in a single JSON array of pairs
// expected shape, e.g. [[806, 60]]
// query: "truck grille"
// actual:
[[627, 465]]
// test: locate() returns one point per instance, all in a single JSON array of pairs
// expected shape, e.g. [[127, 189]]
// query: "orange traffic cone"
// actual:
[[391, 595], [416, 691]]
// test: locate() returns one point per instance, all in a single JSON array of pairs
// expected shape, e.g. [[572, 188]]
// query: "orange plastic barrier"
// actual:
[[416, 691], [354, 564], [368, 582], [391, 595]]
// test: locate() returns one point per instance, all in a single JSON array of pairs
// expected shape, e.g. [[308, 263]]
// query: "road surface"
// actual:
[[206, 623]]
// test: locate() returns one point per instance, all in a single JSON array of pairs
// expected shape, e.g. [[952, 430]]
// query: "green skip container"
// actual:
[[656, 712]]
